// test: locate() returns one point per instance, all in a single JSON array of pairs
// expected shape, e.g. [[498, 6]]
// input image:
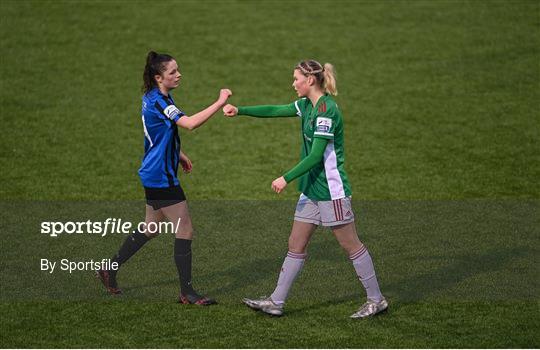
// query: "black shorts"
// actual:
[[163, 197]]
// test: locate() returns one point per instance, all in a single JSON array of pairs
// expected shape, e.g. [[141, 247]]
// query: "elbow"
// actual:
[[313, 161], [194, 126], [188, 125]]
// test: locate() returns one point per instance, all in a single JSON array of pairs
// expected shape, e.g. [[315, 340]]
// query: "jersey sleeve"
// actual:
[[325, 123], [314, 157], [270, 111], [167, 110]]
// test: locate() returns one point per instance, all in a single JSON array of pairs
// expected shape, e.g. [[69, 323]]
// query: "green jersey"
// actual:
[[326, 180], [322, 180]]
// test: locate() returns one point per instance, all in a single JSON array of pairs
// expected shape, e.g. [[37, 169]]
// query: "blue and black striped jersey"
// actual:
[[161, 143]]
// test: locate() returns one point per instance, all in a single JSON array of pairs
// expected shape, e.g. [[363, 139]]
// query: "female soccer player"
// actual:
[[325, 191], [165, 198]]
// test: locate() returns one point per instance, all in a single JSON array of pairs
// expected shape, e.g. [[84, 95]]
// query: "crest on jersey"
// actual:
[[323, 124]]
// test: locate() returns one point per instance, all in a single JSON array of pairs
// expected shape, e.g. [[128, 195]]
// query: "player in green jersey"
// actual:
[[325, 197]]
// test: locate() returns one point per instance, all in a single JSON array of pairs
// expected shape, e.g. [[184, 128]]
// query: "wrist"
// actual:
[[287, 177]]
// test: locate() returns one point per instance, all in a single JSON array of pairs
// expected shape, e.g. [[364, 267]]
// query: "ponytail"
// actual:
[[155, 65], [325, 75], [329, 82]]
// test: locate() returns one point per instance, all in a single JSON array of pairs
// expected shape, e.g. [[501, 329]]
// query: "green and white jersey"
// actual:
[[326, 180]]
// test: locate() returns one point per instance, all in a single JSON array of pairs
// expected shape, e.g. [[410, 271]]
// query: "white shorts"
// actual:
[[326, 213]]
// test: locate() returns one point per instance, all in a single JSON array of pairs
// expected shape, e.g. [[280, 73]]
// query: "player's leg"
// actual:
[[294, 261], [363, 265], [344, 229], [131, 245], [305, 222], [175, 213], [291, 268], [360, 257]]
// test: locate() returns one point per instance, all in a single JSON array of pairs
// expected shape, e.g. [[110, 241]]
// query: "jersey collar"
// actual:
[[158, 91], [320, 100]]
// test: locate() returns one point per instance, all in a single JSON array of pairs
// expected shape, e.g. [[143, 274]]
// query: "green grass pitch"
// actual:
[[442, 124]]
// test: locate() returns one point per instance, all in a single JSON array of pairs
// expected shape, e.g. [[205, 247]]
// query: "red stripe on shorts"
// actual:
[[338, 211]]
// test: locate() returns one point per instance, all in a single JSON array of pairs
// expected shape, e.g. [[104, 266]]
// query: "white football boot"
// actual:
[[266, 305], [371, 308]]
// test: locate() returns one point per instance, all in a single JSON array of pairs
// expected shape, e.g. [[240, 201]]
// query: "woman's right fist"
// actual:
[[224, 94]]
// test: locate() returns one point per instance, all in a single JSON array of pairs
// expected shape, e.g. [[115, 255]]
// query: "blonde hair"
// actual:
[[325, 75]]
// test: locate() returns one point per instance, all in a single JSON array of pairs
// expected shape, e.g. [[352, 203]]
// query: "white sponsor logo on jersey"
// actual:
[[323, 124], [171, 112]]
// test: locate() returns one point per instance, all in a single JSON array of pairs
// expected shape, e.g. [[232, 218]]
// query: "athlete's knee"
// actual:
[[297, 247], [352, 247]]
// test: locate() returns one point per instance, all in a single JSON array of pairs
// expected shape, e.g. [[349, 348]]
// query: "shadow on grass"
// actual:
[[440, 282], [240, 276], [162, 283], [342, 299]]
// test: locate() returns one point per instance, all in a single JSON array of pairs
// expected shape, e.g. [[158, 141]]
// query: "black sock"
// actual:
[[182, 258], [131, 245]]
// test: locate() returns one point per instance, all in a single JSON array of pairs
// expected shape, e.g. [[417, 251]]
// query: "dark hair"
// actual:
[[155, 64]]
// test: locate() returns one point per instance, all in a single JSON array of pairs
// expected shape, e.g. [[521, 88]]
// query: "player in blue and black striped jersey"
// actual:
[[165, 198], [162, 142]]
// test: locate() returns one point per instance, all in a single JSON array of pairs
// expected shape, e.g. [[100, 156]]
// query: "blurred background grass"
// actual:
[[440, 98]]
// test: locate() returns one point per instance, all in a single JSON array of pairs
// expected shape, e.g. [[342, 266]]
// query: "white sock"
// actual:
[[289, 271], [366, 273]]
